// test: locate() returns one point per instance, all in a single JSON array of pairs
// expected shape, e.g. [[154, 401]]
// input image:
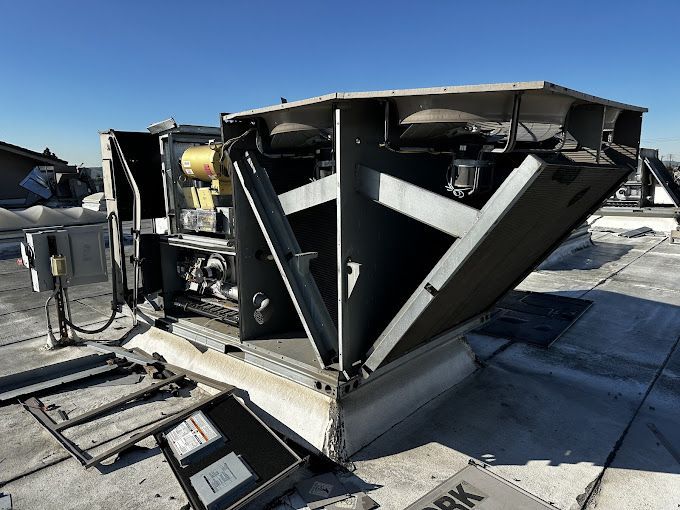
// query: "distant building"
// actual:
[[96, 176], [15, 163]]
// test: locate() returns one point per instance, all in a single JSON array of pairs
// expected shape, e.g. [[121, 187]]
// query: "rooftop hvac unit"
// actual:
[[335, 238]]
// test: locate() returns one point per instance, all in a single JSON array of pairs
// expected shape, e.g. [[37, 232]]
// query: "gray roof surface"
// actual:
[[554, 421]]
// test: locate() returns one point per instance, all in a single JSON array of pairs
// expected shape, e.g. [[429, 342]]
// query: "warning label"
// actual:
[[191, 434]]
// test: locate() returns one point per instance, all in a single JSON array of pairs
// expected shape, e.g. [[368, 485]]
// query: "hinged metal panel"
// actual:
[[532, 211]]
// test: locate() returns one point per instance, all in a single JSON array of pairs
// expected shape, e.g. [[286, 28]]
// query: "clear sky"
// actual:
[[70, 69]]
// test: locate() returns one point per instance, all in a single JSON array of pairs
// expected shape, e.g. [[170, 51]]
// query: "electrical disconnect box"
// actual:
[[220, 480], [226, 458], [81, 247]]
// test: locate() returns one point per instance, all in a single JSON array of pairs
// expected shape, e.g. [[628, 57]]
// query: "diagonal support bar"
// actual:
[[315, 193], [496, 208], [423, 205], [292, 263]]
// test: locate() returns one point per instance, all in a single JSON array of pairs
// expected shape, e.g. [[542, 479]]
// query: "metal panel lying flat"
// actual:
[[522, 222], [37, 409], [51, 376], [534, 318], [636, 232], [478, 487]]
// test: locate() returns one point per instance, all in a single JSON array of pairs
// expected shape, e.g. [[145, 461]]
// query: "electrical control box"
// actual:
[[226, 458], [81, 246], [36, 255], [194, 437], [222, 480]]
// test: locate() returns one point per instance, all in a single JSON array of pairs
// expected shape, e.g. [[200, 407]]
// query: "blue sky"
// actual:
[[70, 69]]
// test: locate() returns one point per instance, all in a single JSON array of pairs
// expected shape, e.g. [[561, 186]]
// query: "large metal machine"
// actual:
[[651, 185], [329, 239]]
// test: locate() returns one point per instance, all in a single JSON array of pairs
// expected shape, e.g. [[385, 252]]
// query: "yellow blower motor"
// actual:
[[202, 162]]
